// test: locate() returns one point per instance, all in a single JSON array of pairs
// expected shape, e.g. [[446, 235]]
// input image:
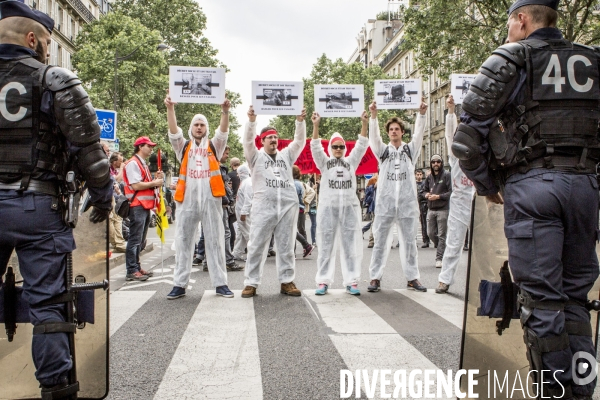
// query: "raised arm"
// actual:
[[451, 124], [295, 148], [362, 143], [417, 139], [316, 147], [250, 150], [175, 133], [375, 140], [222, 134]]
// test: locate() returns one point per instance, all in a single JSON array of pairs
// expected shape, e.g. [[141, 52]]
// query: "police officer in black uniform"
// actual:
[[530, 131], [48, 127]]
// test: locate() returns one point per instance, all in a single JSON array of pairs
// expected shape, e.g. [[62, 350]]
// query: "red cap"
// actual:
[[144, 140]]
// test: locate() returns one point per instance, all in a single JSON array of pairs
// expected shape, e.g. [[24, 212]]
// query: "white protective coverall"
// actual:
[[396, 201], [339, 216], [274, 205], [199, 205], [243, 204], [459, 216]]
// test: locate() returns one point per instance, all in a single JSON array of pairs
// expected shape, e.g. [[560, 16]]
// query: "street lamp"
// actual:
[[160, 47]]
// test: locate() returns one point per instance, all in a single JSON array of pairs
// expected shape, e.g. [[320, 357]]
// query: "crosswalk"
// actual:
[[272, 346]]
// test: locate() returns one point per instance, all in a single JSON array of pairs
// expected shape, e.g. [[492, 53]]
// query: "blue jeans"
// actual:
[[313, 226], [139, 219]]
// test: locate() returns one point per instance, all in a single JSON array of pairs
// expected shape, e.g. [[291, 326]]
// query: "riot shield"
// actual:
[[90, 264], [500, 359]]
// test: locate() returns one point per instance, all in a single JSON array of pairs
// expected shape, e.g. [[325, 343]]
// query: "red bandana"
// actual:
[[267, 133]]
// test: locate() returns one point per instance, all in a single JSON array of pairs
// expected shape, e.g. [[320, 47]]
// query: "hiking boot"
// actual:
[[290, 289], [425, 245], [321, 290], [136, 276], [307, 250], [249, 291], [438, 263], [176, 293], [224, 291], [147, 273], [416, 285], [271, 253], [353, 289], [442, 288], [235, 267], [374, 286]]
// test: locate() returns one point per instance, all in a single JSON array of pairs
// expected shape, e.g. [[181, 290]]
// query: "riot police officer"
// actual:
[[530, 131], [48, 127]]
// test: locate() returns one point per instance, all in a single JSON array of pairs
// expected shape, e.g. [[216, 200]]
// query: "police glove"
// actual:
[[99, 214]]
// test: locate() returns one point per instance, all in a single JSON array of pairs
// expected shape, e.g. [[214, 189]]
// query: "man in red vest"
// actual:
[[141, 190]]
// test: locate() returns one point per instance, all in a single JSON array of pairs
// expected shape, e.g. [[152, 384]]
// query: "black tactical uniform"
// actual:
[[530, 127], [47, 128]]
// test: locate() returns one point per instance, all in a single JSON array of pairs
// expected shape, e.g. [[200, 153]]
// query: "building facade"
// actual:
[[69, 18]]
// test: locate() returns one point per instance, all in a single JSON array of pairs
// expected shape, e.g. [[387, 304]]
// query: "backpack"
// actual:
[[309, 194]]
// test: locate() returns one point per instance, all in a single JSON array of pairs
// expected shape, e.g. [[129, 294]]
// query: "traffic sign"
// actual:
[[107, 119]]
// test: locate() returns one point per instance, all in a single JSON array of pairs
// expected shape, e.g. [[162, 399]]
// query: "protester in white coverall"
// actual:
[[396, 202], [339, 217], [198, 203], [243, 204], [275, 203], [461, 200]]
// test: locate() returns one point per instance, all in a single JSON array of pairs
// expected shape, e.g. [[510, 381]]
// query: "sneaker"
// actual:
[[176, 293], [204, 266], [416, 285], [314, 244], [322, 289], [290, 289], [224, 291], [307, 250], [197, 261], [438, 263], [353, 289], [271, 253], [425, 245], [136, 276], [235, 267], [442, 288], [374, 286], [370, 246], [147, 273], [249, 291]]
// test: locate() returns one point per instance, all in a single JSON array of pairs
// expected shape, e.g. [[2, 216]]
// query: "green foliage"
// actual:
[[451, 36], [326, 71], [143, 79], [388, 15]]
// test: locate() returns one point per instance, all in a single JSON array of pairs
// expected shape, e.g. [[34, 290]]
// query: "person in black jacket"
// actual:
[[437, 190], [419, 175]]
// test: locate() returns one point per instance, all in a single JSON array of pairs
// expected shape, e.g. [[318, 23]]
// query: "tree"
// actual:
[[181, 24], [326, 71], [458, 36], [139, 78]]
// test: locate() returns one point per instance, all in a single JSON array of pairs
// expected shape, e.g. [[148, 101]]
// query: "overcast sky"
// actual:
[[280, 39]]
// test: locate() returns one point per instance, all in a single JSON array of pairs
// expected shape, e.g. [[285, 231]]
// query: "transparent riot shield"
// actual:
[[90, 264], [500, 359]]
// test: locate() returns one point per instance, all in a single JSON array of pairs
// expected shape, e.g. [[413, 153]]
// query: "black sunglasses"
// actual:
[[336, 147]]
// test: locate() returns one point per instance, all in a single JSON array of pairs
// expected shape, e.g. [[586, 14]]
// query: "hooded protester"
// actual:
[[461, 200], [275, 203], [396, 202], [243, 204], [437, 190], [339, 214], [198, 196]]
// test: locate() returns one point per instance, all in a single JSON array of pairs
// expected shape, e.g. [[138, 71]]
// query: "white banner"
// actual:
[[460, 84], [398, 94], [277, 98], [197, 85], [339, 100]]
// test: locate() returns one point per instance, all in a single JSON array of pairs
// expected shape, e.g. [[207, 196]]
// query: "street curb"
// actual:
[[119, 258]]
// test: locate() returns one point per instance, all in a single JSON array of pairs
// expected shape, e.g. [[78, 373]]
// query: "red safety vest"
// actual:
[[146, 198]]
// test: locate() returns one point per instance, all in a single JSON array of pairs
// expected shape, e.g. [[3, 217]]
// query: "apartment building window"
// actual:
[[60, 21], [59, 56], [406, 66]]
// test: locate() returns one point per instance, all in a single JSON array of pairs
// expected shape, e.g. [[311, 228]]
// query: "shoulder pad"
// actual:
[[514, 52], [60, 78]]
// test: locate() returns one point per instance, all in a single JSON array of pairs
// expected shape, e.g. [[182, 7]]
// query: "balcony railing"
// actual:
[[82, 10], [392, 54]]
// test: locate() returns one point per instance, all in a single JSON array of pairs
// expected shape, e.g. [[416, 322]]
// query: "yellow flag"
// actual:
[[162, 222]]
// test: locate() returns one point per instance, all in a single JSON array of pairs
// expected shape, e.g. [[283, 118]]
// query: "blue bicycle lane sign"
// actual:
[[107, 119]]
